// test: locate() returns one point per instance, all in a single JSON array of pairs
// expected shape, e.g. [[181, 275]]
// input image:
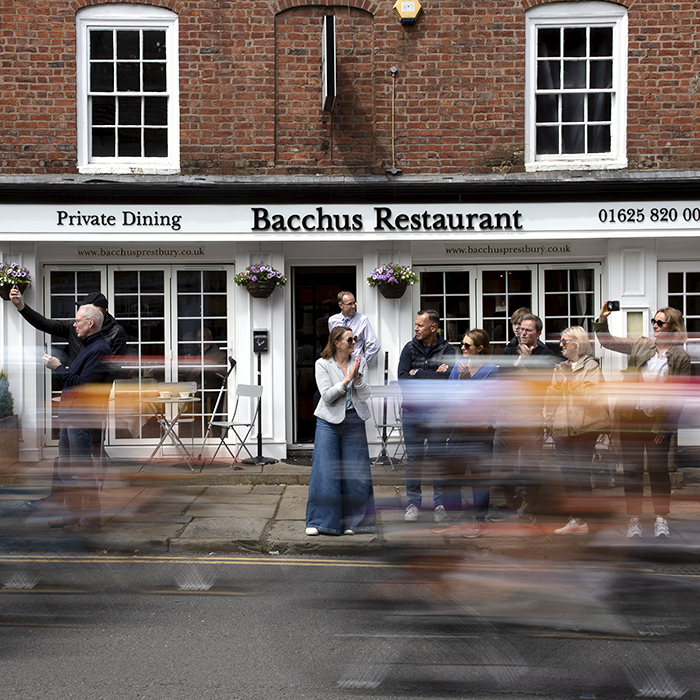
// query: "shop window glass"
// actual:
[[448, 293]]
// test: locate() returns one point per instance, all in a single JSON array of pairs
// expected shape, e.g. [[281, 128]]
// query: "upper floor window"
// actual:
[[576, 78], [128, 114]]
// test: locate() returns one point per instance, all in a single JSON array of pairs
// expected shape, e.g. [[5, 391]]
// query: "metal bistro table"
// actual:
[[159, 406]]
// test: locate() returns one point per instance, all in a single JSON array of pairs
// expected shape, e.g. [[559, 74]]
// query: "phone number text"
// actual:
[[660, 215]]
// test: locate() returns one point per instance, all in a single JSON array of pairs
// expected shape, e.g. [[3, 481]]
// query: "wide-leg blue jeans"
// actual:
[[341, 495]]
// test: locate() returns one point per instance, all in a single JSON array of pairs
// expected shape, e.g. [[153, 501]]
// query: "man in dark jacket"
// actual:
[[427, 356], [63, 328], [86, 385]]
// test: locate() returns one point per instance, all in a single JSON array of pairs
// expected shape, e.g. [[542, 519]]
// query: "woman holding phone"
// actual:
[[648, 422], [341, 495]]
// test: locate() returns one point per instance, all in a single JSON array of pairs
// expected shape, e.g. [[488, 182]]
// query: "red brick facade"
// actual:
[[250, 96]]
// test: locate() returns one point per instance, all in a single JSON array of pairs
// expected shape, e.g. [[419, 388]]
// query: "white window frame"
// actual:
[[123, 16], [578, 14]]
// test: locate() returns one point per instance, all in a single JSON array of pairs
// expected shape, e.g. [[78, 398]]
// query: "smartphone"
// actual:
[[613, 306]]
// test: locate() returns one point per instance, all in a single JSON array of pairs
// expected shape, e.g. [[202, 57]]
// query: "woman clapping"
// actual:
[[341, 496]]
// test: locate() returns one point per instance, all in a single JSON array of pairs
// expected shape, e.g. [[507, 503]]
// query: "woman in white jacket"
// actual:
[[341, 495]]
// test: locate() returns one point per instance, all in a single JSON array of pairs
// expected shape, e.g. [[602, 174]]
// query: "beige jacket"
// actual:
[[574, 402]]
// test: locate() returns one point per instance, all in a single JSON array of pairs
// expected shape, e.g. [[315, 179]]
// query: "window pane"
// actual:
[[431, 282], [125, 282], [101, 77], [572, 107], [62, 307], [574, 74], [575, 41], [675, 282], [128, 77], [692, 305], [103, 110], [547, 108], [152, 306], [493, 281], [129, 142], [214, 305], [601, 41], [519, 281], [101, 46], [127, 44], [599, 107], [601, 74], [156, 110], [457, 283], [188, 281], [556, 305], [548, 42], [87, 282], [572, 139], [152, 281], [555, 280], [547, 139], [581, 280], [189, 305], [153, 44], [130, 110], [518, 301], [103, 143], [155, 143], [548, 75], [599, 139], [692, 282], [582, 304], [214, 281], [154, 77]]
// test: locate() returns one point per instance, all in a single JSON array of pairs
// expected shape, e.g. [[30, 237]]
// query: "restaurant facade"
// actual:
[[513, 153], [166, 257]]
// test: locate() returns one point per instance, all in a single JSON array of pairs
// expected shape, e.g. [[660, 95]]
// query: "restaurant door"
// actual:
[[314, 300]]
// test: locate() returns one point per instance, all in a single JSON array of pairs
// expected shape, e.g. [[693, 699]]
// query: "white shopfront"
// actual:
[[168, 269]]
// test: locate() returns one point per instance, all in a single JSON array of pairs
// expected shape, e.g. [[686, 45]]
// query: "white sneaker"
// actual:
[[634, 528], [348, 532], [661, 528], [311, 531], [411, 514], [573, 527], [440, 515]]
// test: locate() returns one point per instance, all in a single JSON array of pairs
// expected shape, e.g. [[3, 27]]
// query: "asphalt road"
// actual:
[[416, 626]]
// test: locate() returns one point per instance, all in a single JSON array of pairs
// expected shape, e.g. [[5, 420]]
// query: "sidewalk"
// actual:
[[260, 509]]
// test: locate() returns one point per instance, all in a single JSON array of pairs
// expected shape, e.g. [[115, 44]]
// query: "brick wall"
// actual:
[[250, 87]]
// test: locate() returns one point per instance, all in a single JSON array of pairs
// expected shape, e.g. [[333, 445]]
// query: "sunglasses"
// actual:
[[352, 339], [656, 322], [467, 345]]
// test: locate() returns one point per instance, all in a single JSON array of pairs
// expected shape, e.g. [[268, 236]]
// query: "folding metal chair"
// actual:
[[241, 428], [219, 401], [385, 405]]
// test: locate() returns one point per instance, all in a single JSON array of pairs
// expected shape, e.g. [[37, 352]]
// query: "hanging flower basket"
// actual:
[[12, 274], [260, 290], [392, 291], [260, 280], [392, 279]]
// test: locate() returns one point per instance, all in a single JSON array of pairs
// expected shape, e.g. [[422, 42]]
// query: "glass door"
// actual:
[[315, 299], [177, 323]]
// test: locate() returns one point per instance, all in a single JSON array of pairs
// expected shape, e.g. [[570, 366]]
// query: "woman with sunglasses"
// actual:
[[472, 444], [647, 424], [576, 413], [341, 496]]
